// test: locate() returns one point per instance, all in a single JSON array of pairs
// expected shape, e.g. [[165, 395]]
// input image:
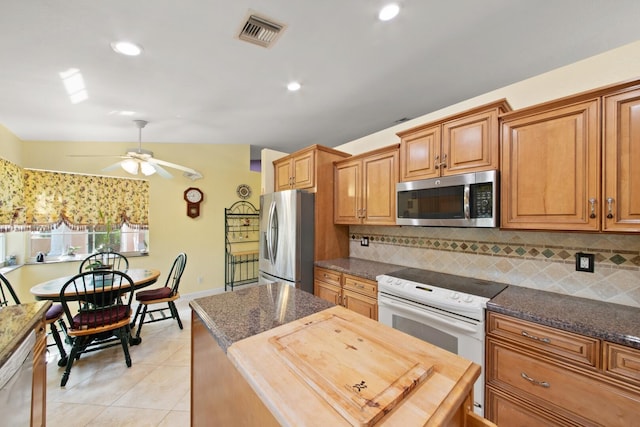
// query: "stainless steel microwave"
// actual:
[[465, 200]]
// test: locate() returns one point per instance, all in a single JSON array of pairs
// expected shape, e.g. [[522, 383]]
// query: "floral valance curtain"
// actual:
[[81, 200], [12, 212], [41, 200]]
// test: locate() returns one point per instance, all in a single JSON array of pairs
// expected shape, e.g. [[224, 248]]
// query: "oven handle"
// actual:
[[427, 314]]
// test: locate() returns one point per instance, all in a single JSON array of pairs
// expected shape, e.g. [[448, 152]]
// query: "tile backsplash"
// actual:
[[539, 260]]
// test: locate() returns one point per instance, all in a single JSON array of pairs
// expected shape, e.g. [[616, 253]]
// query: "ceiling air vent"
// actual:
[[261, 31]]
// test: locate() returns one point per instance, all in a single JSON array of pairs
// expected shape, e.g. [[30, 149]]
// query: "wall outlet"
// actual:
[[585, 262], [364, 241]]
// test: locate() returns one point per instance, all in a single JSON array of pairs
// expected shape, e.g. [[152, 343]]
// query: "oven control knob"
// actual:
[[455, 295], [468, 298]]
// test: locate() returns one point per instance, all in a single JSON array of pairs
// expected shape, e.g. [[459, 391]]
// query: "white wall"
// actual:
[[610, 67]]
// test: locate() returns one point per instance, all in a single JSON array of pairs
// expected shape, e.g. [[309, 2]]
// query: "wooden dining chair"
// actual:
[[53, 315], [168, 294], [104, 261], [97, 305]]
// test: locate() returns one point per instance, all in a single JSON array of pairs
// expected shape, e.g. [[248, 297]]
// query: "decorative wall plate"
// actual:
[[243, 191]]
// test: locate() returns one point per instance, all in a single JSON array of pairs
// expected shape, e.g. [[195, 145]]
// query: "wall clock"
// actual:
[[193, 196], [243, 191]]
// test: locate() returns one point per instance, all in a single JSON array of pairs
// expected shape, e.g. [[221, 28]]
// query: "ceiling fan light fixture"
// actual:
[[130, 166], [147, 169]]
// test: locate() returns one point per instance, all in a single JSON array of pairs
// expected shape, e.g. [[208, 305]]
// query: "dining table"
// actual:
[[50, 290]]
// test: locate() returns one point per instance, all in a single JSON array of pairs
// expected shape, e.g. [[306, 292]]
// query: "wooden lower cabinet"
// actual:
[[220, 396], [39, 385], [356, 294], [534, 379]]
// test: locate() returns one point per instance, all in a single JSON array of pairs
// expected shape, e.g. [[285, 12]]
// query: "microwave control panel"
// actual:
[[482, 200]]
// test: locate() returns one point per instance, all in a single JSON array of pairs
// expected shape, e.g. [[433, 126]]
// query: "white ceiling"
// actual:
[[197, 83]]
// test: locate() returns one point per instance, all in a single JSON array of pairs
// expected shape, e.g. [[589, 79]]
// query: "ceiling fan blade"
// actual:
[[161, 171], [172, 165], [112, 167]]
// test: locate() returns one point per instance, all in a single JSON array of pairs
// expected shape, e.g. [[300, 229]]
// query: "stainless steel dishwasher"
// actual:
[[16, 378]]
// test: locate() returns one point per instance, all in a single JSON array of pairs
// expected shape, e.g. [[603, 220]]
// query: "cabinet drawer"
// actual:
[[329, 276], [622, 362], [362, 286], [505, 411], [553, 342], [574, 395]]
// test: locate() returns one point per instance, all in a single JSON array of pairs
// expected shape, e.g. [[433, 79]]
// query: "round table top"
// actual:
[[50, 290]]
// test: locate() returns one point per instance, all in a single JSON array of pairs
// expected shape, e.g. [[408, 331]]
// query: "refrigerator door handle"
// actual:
[[271, 250]]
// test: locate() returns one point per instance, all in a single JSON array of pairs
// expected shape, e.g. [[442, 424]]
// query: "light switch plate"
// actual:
[[364, 241], [584, 262]]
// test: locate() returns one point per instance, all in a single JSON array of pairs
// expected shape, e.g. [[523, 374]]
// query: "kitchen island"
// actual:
[[274, 355]]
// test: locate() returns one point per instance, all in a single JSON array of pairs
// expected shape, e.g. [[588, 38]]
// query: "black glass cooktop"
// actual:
[[467, 285]]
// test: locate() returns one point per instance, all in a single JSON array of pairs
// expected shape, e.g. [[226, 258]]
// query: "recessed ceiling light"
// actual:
[[388, 12], [126, 48], [294, 86]]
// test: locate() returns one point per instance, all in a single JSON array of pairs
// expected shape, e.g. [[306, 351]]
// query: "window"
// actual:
[[63, 241], [3, 250]]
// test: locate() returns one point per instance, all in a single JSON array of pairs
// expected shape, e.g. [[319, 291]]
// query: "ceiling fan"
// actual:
[[138, 159]]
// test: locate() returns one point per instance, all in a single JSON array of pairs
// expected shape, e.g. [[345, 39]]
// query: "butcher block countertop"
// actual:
[[274, 355], [339, 368]]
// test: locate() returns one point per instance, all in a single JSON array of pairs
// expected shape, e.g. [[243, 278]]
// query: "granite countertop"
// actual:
[[16, 321], [612, 322], [359, 267], [233, 316]]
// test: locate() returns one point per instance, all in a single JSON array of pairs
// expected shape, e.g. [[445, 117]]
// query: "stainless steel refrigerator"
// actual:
[[286, 238]]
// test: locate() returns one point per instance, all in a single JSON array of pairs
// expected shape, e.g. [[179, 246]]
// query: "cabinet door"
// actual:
[[551, 169], [419, 153], [303, 167], [621, 196], [380, 176], [348, 188], [361, 304], [470, 144], [505, 410], [39, 388], [283, 174], [327, 291]]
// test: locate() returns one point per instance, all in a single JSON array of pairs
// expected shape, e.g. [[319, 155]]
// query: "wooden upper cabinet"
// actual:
[[466, 142], [296, 171], [347, 194], [621, 161], [551, 168], [365, 188], [419, 152], [574, 163]]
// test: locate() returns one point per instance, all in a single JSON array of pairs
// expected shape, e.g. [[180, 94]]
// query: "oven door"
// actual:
[[447, 331]]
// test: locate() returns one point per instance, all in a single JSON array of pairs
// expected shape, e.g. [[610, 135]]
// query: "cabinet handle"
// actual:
[[364, 213], [533, 337], [592, 204], [610, 207], [435, 162], [535, 382], [444, 161]]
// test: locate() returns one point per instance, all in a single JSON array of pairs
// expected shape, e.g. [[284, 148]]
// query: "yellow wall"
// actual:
[[224, 167], [10, 146]]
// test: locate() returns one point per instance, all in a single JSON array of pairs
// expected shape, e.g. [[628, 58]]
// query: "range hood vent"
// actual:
[[260, 30]]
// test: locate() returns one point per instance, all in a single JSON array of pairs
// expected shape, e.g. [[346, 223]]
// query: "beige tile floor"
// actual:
[[102, 391]]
